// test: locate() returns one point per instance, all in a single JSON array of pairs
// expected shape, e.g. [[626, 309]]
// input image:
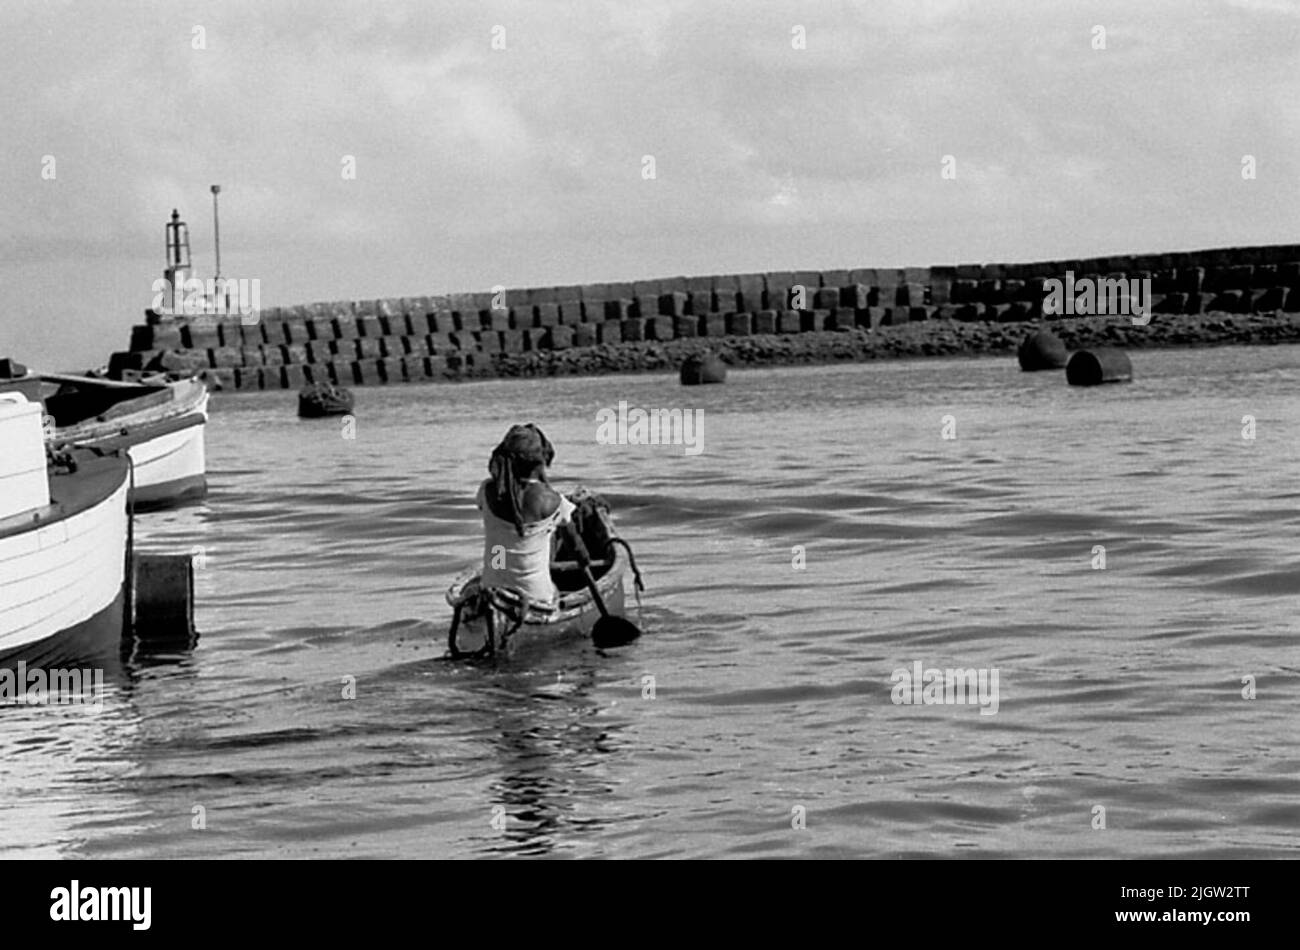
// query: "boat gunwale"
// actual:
[[126, 436], [188, 407], [96, 480]]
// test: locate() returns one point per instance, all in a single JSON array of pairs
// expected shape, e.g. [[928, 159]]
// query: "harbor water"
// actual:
[[1125, 558]]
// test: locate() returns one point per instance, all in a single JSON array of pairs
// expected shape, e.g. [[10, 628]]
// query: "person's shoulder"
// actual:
[[540, 501]]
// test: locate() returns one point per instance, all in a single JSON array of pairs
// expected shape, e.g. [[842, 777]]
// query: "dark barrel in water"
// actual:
[[704, 368], [1102, 364], [1042, 349], [163, 593]]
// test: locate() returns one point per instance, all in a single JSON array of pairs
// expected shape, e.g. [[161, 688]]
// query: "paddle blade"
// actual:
[[611, 631]]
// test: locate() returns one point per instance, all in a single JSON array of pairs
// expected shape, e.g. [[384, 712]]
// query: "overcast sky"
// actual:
[[524, 166]]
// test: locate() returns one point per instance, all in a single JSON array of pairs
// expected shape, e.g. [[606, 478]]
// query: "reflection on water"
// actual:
[[549, 750], [58, 758]]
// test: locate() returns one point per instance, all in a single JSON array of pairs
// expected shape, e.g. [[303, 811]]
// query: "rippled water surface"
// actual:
[[325, 558]]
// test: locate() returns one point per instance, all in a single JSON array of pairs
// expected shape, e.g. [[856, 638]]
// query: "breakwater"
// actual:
[[1226, 295]]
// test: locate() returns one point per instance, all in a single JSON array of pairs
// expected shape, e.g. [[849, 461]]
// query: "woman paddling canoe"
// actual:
[[516, 591], [521, 513]]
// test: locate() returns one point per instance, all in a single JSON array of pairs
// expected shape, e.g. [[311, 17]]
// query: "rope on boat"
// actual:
[[511, 605], [518, 621], [58, 459], [631, 558], [486, 604], [128, 622], [451, 634], [638, 584]]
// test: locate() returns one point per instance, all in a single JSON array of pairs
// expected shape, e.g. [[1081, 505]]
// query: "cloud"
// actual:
[[478, 166], [1284, 7]]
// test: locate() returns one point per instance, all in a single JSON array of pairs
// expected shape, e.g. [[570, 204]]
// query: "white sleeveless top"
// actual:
[[527, 559]]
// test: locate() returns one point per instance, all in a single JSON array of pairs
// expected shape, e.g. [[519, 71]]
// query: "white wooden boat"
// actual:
[[64, 546], [161, 424]]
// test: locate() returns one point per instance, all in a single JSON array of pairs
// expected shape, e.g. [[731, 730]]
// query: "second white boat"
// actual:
[[161, 425]]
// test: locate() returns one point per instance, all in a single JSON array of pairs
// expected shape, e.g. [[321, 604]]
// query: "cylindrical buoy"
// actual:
[[164, 598], [1041, 350], [706, 368], [1103, 364]]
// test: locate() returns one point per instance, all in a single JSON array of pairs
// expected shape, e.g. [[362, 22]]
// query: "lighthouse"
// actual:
[[178, 264]]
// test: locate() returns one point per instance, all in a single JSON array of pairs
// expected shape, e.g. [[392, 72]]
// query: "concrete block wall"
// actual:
[[449, 336]]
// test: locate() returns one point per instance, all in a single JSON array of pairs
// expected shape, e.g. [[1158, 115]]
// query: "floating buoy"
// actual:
[[1101, 365], [1041, 350], [706, 368], [323, 399]]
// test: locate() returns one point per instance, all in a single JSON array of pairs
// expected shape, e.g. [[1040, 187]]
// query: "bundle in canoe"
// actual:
[[324, 399], [498, 621]]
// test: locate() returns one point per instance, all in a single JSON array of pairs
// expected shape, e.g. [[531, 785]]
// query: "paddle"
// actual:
[[609, 631]]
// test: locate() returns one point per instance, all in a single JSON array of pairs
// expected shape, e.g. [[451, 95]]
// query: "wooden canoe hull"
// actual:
[[472, 634]]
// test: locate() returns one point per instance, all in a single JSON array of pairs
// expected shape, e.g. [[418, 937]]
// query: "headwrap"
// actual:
[[520, 453]]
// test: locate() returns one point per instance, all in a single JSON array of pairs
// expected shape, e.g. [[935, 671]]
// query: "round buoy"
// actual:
[[699, 370], [1096, 366], [1041, 350]]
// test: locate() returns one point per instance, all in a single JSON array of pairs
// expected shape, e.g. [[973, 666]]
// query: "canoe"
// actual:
[[64, 546], [161, 424], [321, 399], [496, 621]]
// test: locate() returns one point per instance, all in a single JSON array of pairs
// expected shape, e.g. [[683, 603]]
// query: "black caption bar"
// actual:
[[137, 899]]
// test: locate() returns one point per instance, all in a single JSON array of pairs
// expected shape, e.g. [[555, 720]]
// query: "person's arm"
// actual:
[[566, 531]]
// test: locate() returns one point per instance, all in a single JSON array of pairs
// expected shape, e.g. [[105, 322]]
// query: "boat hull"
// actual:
[[171, 468], [63, 569], [319, 401], [472, 634], [167, 447], [98, 638], [310, 410]]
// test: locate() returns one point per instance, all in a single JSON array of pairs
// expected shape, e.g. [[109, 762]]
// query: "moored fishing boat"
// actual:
[[160, 423], [64, 545], [497, 620], [323, 399]]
